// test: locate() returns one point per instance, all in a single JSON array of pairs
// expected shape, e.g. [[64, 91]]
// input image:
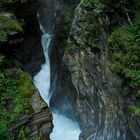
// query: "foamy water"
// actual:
[[64, 128]]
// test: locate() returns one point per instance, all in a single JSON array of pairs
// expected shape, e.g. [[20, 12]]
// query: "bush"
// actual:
[[71, 48], [135, 110], [125, 42], [7, 26], [15, 91], [26, 85]]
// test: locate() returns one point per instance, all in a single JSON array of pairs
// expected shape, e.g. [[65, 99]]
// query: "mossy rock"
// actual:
[[26, 85]]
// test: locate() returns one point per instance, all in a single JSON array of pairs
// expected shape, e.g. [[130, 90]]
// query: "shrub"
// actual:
[[125, 42], [26, 85], [7, 26], [135, 110], [15, 91], [71, 48]]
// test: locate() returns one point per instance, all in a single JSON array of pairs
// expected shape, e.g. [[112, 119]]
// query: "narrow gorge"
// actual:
[[83, 56], [42, 79]]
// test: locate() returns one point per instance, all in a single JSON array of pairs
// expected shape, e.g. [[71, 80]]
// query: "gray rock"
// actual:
[[94, 92], [39, 122]]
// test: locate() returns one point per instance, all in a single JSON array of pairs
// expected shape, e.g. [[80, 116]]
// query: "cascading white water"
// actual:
[[42, 79], [64, 128]]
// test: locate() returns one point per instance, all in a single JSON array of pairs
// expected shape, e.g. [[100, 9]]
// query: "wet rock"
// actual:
[[46, 129], [37, 103], [13, 71], [94, 92], [39, 122], [22, 121]]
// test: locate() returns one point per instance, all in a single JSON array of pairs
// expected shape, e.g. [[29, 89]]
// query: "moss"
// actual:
[[14, 91], [125, 44], [135, 110], [7, 26], [91, 30], [90, 26], [26, 85], [37, 137], [65, 21], [24, 132], [71, 48]]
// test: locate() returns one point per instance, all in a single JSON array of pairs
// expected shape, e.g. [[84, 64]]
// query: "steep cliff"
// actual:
[[23, 112], [36, 125], [95, 93]]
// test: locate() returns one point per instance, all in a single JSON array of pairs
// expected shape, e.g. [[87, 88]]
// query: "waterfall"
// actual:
[[42, 79], [64, 128]]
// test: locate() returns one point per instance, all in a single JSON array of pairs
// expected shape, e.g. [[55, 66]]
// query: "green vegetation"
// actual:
[[16, 86], [24, 132], [135, 110], [65, 22], [71, 48], [125, 41], [14, 98], [37, 137], [123, 30], [89, 24], [7, 26], [25, 84], [8, 22], [6, 2], [91, 27]]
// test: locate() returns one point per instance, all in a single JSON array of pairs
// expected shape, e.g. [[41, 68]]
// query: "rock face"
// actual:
[[39, 122], [98, 105], [94, 92], [42, 117], [30, 54]]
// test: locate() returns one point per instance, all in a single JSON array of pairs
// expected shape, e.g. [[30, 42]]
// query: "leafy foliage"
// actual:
[[123, 29], [24, 132], [91, 28], [14, 91], [125, 41], [71, 48], [135, 110], [25, 84], [7, 26]]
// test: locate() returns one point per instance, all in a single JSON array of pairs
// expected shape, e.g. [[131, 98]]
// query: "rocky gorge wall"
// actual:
[[28, 56], [39, 122], [82, 82], [94, 91]]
